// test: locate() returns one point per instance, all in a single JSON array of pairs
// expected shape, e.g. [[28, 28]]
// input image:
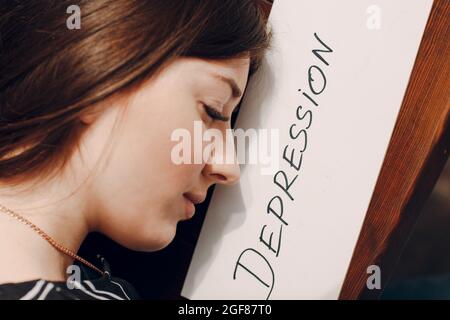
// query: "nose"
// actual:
[[223, 166]]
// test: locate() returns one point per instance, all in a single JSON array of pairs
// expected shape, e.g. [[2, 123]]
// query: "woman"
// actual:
[[86, 117]]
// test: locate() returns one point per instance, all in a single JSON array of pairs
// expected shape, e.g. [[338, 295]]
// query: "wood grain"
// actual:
[[416, 155]]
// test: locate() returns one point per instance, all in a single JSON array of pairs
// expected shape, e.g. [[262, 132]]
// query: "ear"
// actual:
[[87, 118], [93, 112]]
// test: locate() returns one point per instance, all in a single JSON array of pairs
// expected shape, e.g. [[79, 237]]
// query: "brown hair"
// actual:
[[50, 75]]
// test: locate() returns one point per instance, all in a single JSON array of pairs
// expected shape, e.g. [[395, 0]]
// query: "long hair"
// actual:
[[51, 75]]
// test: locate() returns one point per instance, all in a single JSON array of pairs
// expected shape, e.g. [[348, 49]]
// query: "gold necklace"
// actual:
[[49, 239]]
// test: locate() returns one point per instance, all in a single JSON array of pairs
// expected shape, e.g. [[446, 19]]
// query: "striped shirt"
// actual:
[[105, 287]]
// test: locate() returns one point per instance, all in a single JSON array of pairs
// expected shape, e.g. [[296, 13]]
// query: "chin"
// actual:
[[151, 241]]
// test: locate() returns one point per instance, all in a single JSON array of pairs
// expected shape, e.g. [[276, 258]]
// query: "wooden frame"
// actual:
[[417, 153]]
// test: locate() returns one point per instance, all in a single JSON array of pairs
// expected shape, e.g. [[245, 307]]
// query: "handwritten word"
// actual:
[[251, 260]]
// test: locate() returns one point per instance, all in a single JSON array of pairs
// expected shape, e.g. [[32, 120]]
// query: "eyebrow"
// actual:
[[236, 92]]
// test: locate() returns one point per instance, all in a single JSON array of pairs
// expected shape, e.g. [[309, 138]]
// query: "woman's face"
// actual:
[[138, 193]]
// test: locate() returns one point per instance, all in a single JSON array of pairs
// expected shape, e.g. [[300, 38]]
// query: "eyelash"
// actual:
[[214, 114]]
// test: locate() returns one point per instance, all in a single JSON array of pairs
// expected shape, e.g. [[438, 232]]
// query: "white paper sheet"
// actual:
[[374, 45]]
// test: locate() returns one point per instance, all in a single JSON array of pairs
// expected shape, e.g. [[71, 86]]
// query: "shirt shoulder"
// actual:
[[88, 287], [104, 288]]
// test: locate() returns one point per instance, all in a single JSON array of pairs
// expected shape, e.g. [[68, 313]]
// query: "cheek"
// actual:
[[139, 189], [140, 232]]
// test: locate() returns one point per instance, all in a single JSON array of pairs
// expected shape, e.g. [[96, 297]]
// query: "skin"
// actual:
[[122, 181]]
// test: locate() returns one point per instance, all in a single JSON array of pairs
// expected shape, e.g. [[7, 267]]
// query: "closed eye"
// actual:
[[214, 114]]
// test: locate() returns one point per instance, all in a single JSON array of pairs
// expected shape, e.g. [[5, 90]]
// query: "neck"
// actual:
[[26, 255]]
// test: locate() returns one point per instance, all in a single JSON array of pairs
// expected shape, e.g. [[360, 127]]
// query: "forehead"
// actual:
[[236, 68]]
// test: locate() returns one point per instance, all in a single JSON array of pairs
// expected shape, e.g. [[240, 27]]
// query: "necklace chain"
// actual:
[[49, 239]]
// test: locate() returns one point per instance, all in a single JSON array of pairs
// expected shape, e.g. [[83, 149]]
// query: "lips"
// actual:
[[195, 198], [191, 200]]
